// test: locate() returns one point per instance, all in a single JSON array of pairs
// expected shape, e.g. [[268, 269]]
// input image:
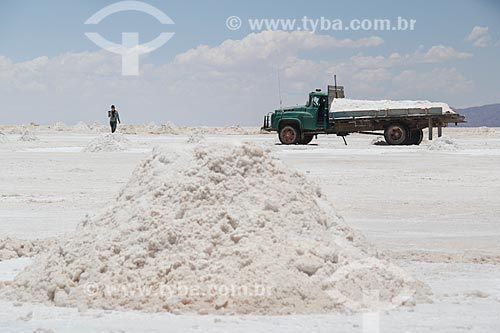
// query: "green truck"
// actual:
[[300, 124]]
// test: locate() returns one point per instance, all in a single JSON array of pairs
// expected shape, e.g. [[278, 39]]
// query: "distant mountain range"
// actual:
[[486, 115]]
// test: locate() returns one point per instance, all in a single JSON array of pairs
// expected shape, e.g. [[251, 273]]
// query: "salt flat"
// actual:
[[436, 211]]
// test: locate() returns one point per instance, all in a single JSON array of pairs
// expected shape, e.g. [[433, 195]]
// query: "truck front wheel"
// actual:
[[396, 134], [289, 135]]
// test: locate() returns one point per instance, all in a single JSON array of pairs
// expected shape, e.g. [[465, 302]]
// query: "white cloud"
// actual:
[[436, 54], [267, 45], [477, 32], [234, 82], [479, 36], [483, 41], [441, 53]]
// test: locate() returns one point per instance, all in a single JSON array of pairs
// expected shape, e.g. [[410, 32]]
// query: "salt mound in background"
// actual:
[[98, 127], [168, 128], [216, 229], [3, 137], [195, 138], [226, 130], [28, 136], [81, 127], [108, 142], [444, 144], [59, 126]]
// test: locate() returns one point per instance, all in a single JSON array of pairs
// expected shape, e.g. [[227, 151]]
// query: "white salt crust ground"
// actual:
[[212, 216]]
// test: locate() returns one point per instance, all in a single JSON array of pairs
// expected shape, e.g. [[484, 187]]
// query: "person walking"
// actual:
[[114, 117]]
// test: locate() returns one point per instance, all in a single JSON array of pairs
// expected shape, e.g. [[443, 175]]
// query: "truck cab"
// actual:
[[317, 106], [299, 124]]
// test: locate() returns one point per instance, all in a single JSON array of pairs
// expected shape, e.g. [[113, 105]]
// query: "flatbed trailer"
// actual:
[[300, 124]]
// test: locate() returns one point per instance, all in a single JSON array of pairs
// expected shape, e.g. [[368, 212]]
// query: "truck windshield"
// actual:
[[313, 101]]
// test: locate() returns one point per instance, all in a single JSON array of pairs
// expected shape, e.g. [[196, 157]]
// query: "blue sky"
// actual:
[[54, 29]]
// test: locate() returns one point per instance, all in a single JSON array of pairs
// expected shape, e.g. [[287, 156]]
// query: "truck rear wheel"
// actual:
[[306, 139], [289, 135], [396, 134], [416, 137]]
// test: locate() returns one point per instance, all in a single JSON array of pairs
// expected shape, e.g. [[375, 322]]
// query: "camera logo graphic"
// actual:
[[130, 49]]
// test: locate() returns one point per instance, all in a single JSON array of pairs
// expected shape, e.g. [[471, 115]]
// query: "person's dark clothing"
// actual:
[[322, 109], [114, 117]]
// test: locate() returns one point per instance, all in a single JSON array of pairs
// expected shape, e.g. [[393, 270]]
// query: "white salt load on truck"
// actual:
[[346, 104]]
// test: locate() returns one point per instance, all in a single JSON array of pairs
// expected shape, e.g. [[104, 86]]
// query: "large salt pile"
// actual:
[[217, 229], [108, 142]]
